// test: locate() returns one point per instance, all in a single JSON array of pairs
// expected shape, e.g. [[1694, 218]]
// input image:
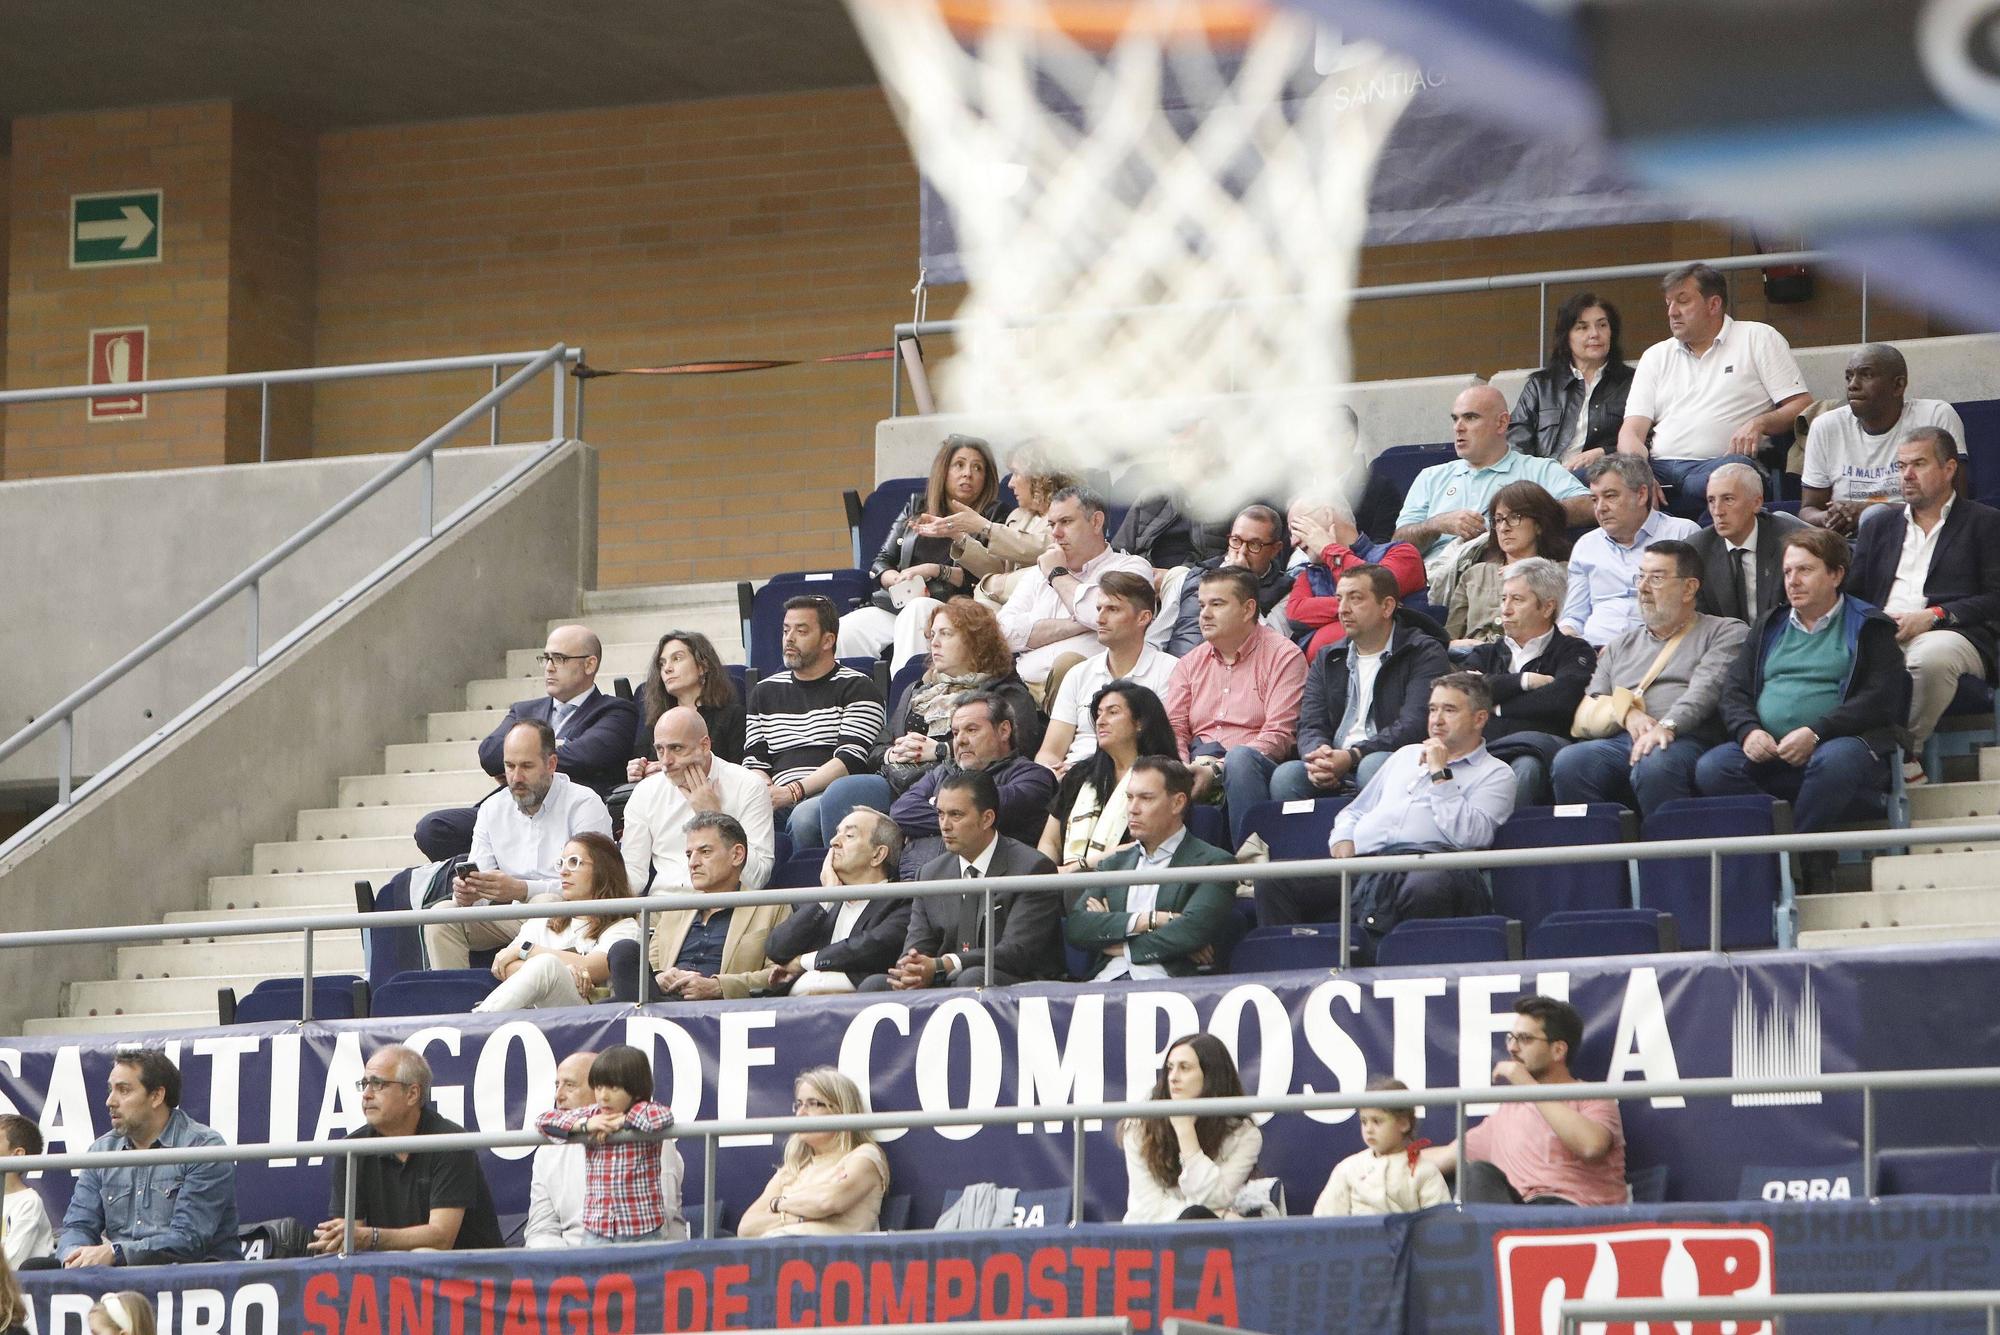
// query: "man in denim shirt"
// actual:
[[155, 1213]]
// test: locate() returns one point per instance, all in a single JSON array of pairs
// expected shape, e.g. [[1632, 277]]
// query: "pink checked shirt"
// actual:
[[621, 1197], [1253, 701]]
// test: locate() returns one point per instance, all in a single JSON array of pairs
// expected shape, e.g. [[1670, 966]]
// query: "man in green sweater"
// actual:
[[1814, 701]]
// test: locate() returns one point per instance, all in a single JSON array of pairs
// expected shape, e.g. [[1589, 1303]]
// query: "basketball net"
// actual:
[[1159, 208]]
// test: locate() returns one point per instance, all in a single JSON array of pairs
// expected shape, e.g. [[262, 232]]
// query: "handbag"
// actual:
[[1600, 716]]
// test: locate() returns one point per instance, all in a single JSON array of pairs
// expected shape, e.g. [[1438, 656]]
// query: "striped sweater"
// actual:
[[797, 726]]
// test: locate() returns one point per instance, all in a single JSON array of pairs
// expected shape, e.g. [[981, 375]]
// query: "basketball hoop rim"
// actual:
[[1101, 24]]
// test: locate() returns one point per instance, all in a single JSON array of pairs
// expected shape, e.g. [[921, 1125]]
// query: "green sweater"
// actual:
[[1802, 677]]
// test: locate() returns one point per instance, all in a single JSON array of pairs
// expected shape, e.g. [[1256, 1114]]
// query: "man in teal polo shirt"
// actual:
[[1449, 500]]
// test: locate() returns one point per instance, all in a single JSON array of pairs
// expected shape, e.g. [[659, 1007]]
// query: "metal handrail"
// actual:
[[1572, 1313], [63, 714], [1541, 279], [1866, 1083]]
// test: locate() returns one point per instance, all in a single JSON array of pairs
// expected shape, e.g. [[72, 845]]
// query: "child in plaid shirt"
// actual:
[[621, 1200]]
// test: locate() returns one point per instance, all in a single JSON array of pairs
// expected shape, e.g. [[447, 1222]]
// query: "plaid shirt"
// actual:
[[621, 1196]]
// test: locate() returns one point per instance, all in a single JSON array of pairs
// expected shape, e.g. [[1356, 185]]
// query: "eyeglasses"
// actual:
[[545, 658], [1250, 544], [376, 1082], [573, 862], [811, 1105], [1522, 1040], [1501, 519]]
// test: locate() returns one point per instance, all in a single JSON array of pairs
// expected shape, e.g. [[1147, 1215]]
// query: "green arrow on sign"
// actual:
[[116, 228]]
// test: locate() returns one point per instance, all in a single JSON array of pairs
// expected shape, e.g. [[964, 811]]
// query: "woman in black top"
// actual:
[[686, 670], [1571, 409], [1087, 818]]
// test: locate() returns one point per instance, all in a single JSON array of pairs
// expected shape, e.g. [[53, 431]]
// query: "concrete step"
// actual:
[[1898, 908], [1841, 938], [429, 757], [1936, 871], [138, 998], [333, 952], [292, 891], [716, 619], [651, 597], [361, 822], [499, 693], [136, 1026], [1934, 801], [1919, 850], [447, 788], [237, 915], [352, 856], [464, 725]]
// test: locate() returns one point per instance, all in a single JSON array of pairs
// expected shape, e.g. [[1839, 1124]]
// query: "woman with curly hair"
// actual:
[[1189, 1166], [686, 670]]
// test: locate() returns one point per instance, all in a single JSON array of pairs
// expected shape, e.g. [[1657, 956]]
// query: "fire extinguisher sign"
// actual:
[[117, 357]]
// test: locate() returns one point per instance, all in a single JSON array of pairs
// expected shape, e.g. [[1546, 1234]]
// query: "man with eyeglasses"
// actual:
[[692, 780], [593, 731], [1658, 686], [1566, 1152], [408, 1202], [1256, 544], [1600, 602]]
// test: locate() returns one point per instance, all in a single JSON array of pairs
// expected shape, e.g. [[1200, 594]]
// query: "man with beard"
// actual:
[[812, 723]]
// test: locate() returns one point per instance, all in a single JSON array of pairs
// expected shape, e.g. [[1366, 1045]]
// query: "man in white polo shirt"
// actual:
[[1710, 393], [1448, 501], [1851, 451], [1126, 605], [1053, 609]]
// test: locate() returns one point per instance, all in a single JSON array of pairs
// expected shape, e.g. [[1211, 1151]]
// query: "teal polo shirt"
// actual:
[[1459, 486]]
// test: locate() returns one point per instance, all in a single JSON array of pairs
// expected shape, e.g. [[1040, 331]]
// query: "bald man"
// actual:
[[556, 1181], [692, 779], [594, 734], [1448, 501], [1851, 451]]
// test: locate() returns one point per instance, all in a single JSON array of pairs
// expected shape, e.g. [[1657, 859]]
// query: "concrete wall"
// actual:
[[139, 549], [147, 844]]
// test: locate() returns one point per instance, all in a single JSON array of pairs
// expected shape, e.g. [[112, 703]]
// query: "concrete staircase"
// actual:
[[366, 833], [1935, 892]]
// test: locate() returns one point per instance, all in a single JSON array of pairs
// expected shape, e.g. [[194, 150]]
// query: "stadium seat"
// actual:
[[1045, 1208], [1484, 939], [1390, 474], [1757, 891], [1208, 824], [1533, 893], [336, 996], [1781, 1180], [744, 678], [764, 610], [388, 951], [1647, 1186], [1272, 949], [1294, 831], [869, 521], [798, 871], [1936, 1170], [433, 992], [1590, 933], [1981, 418], [899, 683], [1968, 724]]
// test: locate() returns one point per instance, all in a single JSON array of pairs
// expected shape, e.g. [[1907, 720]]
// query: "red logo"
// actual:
[[117, 357], [1538, 1269]]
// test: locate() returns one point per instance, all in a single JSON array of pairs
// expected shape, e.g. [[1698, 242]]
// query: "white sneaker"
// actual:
[[1913, 773]]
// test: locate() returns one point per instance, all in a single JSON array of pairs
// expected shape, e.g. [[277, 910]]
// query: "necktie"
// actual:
[[978, 907], [562, 716], [1740, 581]]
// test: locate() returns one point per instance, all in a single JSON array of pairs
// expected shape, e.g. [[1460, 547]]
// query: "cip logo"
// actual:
[[1538, 1269]]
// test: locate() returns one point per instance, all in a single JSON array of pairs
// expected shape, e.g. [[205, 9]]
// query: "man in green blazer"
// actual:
[[1155, 931]]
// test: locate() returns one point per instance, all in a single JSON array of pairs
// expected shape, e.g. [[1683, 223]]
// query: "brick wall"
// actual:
[[273, 278]]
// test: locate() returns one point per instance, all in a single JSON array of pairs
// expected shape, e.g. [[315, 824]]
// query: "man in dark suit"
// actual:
[[1742, 556], [594, 733], [946, 945], [1156, 931], [1933, 565], [829, 948]]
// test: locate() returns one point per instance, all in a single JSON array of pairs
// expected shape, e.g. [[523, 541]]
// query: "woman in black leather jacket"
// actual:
[[1571, 409]]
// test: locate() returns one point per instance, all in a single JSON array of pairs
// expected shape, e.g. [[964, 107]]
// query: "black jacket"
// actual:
[[1401, 705], [1717, 596], [1027, 927], [1964, 578], [873, 945], [1551, 708], [1272, 589], [1874, 696], [1156, 529], [902, 549], [593, 750], [1544, 417]]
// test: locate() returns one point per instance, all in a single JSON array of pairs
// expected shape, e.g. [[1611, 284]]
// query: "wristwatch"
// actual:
[[1058, 572], [1439, 776]]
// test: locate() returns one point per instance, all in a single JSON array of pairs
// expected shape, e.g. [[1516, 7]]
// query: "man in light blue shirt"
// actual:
[[1599, 605], [1449, 501]]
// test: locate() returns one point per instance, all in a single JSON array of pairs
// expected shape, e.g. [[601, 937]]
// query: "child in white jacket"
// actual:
[[1389, 1176]]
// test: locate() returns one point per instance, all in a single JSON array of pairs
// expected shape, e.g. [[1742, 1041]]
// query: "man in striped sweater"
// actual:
[[812, 723]]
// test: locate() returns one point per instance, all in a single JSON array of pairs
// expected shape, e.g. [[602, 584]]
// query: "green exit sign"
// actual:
[[117, 227]]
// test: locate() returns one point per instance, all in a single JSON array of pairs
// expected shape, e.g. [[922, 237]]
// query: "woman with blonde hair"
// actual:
[[126, 1313], [13, 1307], [831, 1182]]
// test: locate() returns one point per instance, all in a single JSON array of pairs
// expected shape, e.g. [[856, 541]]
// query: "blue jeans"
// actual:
[[1601, 771], [1531, 781], [1841, 774], [1686, 481], [845, 794], [1291, 782], [1246, 781], [804, 824]]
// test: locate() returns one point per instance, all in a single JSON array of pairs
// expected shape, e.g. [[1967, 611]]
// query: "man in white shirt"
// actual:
[[692, 779], [1126, 606], [556, 1179], [1053, 609], [1598, 604], [1851, 451], [1713, 391], [516, 845]]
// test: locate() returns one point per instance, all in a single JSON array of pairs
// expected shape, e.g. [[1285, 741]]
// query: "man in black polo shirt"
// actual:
[[403, 1202]]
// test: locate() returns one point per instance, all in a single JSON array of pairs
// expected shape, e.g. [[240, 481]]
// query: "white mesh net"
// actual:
[[1159, 234]]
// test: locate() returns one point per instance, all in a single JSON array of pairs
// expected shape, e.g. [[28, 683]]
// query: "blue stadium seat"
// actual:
[[1981, 418], [1578, 935], [1484, 939], [388, 951], [743, 677], [899, 683], [1968, 724], [1272, 949], [869, 521], [337, 996], [764, 611], [1294, 831], [1390, 474], [1756, 890], [433, 992], [798, 871], [1208, 824], [1533, 893]]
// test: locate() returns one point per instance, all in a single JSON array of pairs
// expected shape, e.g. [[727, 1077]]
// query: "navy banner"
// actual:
[[1659, 1017], [1444, 1272]]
